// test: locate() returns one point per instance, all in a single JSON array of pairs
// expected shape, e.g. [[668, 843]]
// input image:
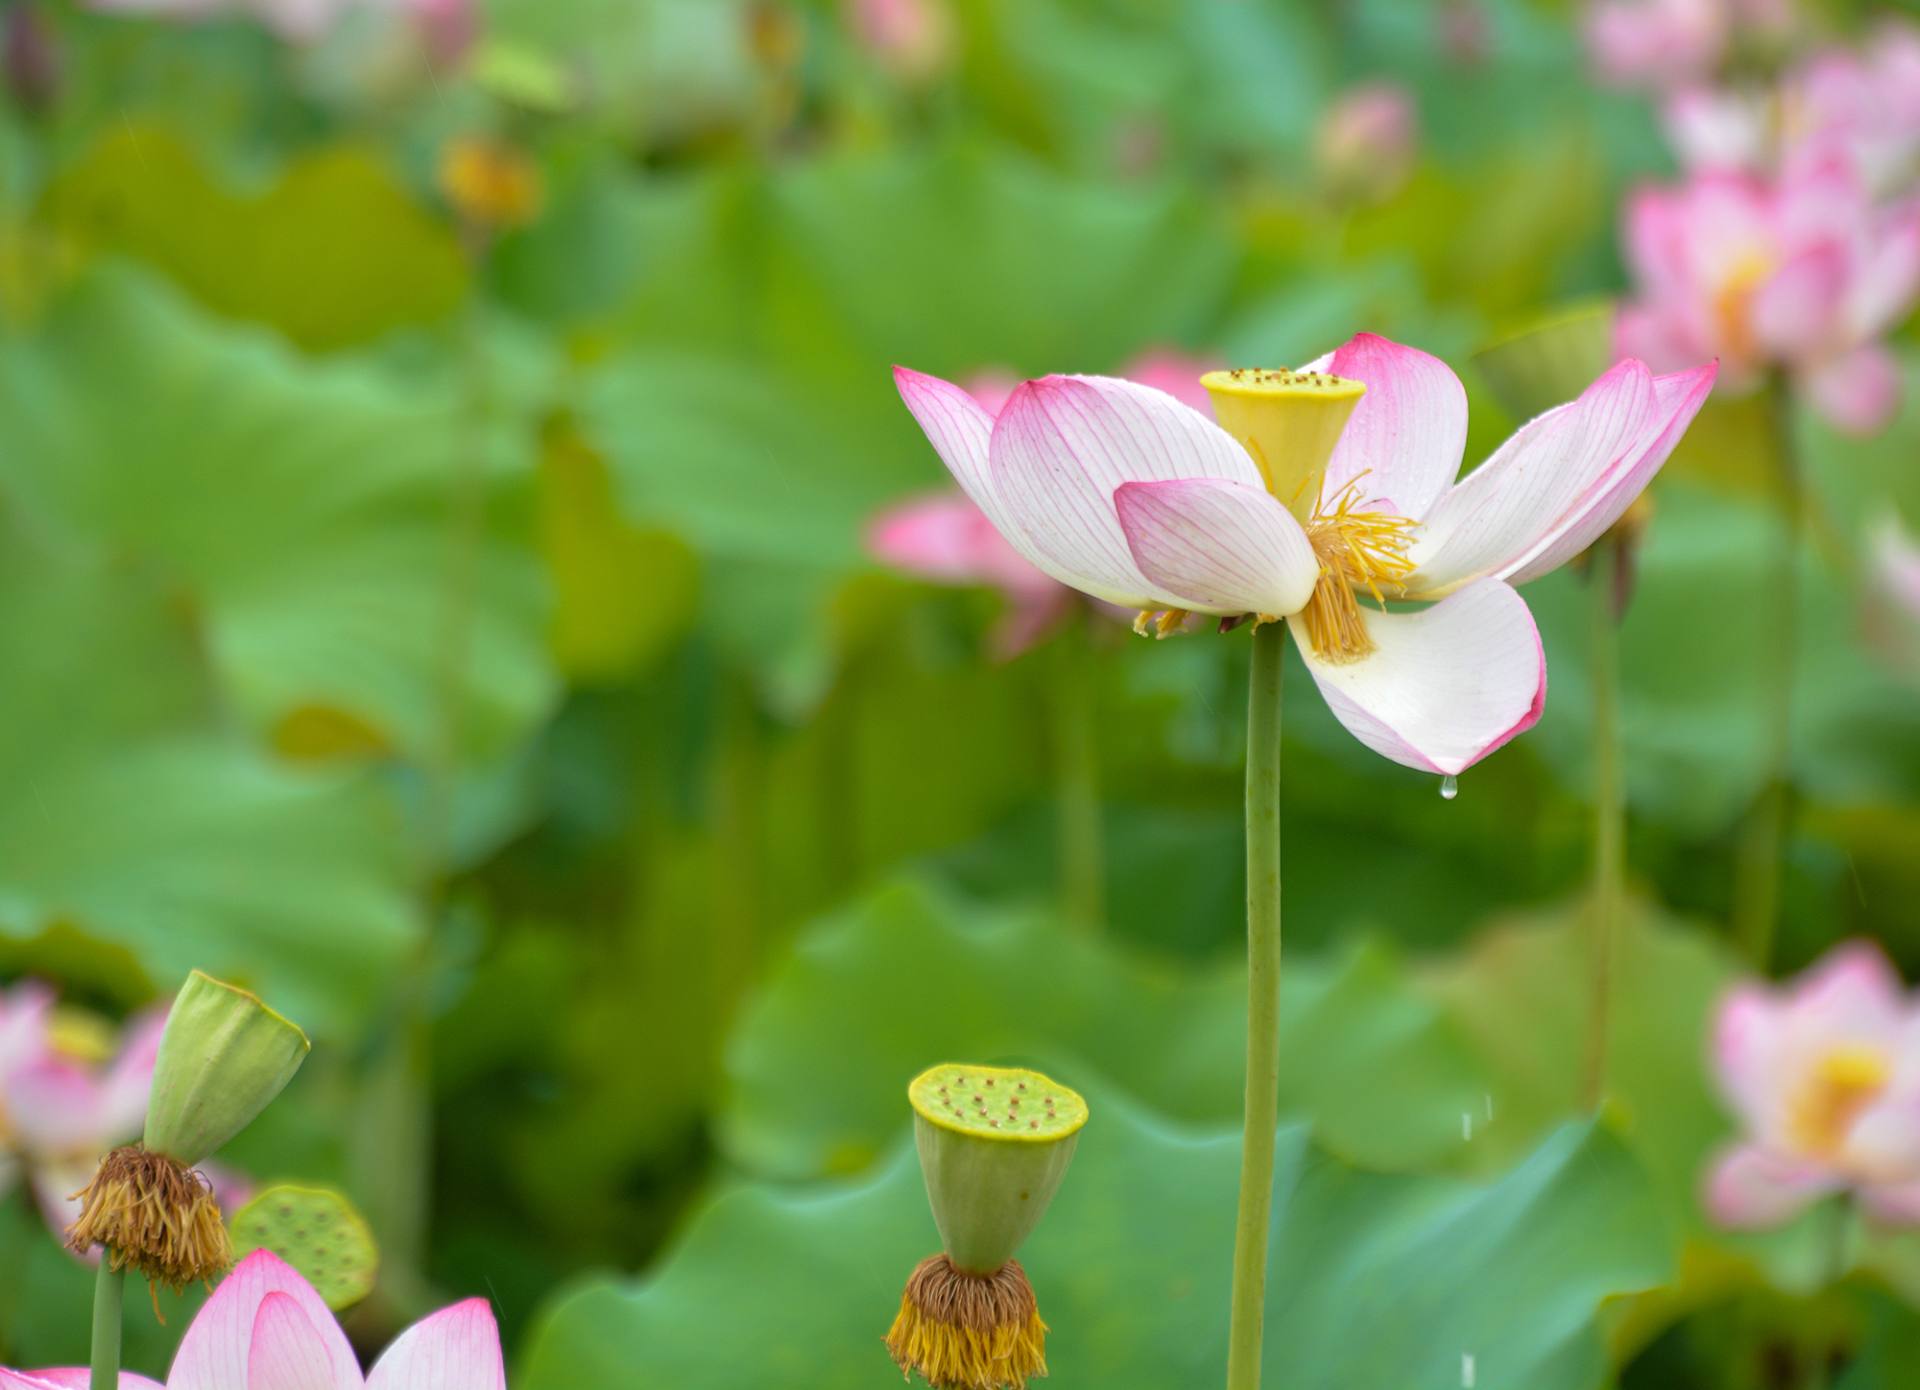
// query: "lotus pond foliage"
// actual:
[[719, 692]]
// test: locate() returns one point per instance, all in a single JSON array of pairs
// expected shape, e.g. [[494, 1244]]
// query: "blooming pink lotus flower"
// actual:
[[60, 1111], [266, 1329], [1662, 43], [1121, 492], [1824, 1075], [1804, 273], [944, 537]]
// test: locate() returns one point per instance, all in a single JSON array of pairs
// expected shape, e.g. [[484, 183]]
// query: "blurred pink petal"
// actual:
[[1751, 1188], [1859, 393], [1176, 373], [1218, 546], [945, 537], [1446, 686], [1655, 42]]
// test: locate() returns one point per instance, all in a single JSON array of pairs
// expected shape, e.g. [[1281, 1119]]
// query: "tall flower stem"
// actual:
[[1263, 1009], [1756, 899], [1076, 761], [1609, 812], [109, 1292]]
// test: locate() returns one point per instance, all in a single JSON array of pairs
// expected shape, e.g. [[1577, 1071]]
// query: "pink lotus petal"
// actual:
[[1798, 308], [69, 1378], [1752, 1188], [23, 1025], [1886, 275], [57, 1106], [1858, 392], [130, 1079], [1885, 1137], [216, 1350], [1220, 547], [1677, 400], [1534, 486], [1853, 992], [1748, 1045], [1176, 373], [288, 1352], [1448, 684], [458, 1348], [945, 537], [1407, 433], [1064, 444]]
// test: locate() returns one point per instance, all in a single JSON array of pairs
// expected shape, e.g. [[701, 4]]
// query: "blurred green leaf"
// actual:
[[336, 251], [776, 1286], [349, 542], [820, 1060]]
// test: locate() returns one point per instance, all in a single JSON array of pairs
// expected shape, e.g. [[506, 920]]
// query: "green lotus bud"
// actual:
[[994, 1145], [224, 1056]]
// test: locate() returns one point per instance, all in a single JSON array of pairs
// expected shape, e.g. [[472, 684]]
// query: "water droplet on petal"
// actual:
[[1449, 787]]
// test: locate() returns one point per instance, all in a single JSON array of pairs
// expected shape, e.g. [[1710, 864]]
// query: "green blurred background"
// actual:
[[448, 614]]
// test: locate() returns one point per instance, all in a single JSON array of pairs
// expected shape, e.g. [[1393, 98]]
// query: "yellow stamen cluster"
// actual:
[[1847, 1080], [966, 1331], [1158, 623], [154, 1215], [1357, 550]]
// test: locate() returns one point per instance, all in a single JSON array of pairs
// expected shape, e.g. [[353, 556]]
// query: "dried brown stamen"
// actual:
[[154, 1215], [966, 1331]]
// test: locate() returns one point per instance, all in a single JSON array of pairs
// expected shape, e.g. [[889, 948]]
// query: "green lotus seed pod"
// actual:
[[1551, 359], [319, 1233], [223, 1057], [994, 1144]]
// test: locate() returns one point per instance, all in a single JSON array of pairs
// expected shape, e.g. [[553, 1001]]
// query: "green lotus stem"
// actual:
[[1756, 903], [1263, 1009], [1609, 813], [1077, 786], [109, 1291]]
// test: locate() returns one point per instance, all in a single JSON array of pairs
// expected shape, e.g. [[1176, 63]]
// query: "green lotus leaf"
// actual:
[[1375, 1280]]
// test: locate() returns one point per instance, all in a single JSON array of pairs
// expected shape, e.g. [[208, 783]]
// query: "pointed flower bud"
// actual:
[[994, 1145], [1288, 421], [223, 1057]]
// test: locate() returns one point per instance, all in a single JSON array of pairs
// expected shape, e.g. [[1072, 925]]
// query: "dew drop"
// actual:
[[1449, 787]]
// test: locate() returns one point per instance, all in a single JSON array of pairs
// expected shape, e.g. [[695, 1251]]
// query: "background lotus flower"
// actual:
[[1824, 1075], [62, 1104], [1366, 139], [265, 1328], [1805, 274], [913, 39], [1664, 42], [946, 538], [1122, 493]]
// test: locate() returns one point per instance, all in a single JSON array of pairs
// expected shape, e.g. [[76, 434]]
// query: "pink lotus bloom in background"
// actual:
[[1805, 274], [1663, 43], [1824, 1075], [1121, 492], [1367, 138], [60, 1112], [266, 1329], [448, 26], [909, 38], [945, 538]]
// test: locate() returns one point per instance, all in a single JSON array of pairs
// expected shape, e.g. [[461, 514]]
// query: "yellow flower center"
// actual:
[[1287, 421], [1847, 1080], [1357, 550], [1733, 301]]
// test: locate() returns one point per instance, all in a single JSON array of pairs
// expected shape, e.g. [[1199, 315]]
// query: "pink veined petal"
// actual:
[[289, 1353], [1857, 392], [959, 429], [458, 1348], [1219, 547], [1493, 520], [214, 1353], [1447, 685], [1409, 430], [1748, 1037], [1065, 443], [1677, 400], [1799, 310], [1750, 1188]]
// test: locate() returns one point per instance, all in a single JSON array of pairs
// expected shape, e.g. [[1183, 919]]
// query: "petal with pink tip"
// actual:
[[1408, 432], [1534, 486], [1219, 547], [458, 1348], [1750, 1188], [958, 428], [1852, 993], [214, 1354], [1061, 448], [69, 1378], [1749, 1035], [289, 1353], [1447, 685], [1857, 392], [1677, 400]]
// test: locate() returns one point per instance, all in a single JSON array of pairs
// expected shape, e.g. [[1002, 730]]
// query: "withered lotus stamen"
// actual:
[[966, 1331], [154, 1215]]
